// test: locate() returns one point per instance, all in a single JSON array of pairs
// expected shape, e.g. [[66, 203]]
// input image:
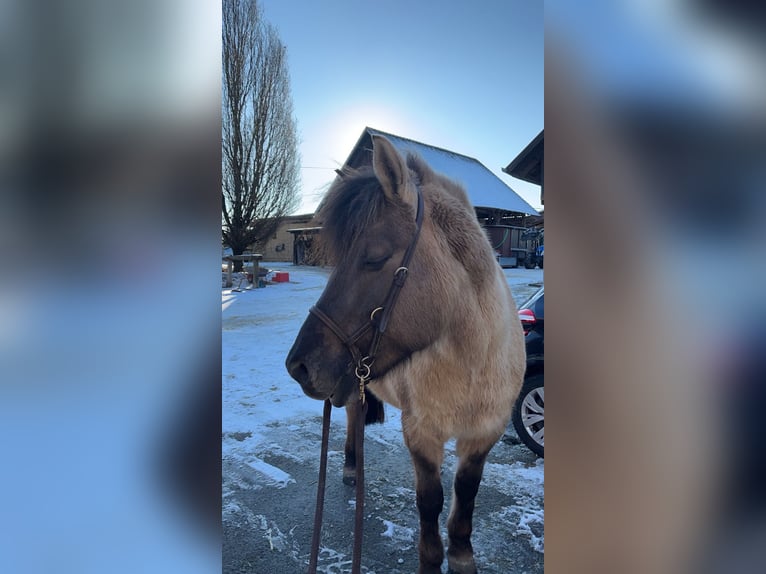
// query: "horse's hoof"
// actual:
[[349, 476], [461, 565]]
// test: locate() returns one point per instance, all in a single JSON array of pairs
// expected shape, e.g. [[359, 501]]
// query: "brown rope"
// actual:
[[356, 563], [315, 537]]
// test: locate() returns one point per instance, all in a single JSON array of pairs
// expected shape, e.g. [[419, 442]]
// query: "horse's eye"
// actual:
[[376, 263]]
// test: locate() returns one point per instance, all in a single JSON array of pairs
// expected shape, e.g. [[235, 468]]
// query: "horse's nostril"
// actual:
[[299, 372]]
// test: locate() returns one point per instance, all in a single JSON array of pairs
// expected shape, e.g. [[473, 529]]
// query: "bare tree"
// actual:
[[259, 134]]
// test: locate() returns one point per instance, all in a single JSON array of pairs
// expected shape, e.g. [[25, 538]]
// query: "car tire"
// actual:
[[529, 414]]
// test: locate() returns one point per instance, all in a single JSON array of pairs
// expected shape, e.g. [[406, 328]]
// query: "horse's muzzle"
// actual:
[[320, 364], [300, 372], [304, 364]]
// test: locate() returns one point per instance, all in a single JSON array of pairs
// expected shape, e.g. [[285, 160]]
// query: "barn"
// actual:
[[502, 212], [529, 165]]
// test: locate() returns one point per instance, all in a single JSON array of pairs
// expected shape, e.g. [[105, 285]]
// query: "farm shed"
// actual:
[[304, 252], [280, 246]]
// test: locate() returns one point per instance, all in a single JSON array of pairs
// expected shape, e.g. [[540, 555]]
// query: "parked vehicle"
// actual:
[[529, 414]]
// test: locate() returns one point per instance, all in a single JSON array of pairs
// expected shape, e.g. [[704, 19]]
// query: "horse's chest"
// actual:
[[387, 390]]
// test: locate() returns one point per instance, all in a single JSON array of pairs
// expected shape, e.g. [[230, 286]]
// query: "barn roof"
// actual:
[[528, 165], [484, 188]]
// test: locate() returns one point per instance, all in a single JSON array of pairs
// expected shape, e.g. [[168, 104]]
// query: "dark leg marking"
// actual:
[[430, 501], [460, 523]]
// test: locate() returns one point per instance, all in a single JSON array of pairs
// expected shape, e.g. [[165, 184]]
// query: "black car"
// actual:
[[529, 412]]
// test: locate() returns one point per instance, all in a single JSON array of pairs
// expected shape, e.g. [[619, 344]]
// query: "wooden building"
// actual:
[[529, 165], [280, 246]]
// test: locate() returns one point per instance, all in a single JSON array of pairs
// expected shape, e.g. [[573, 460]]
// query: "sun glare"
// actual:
[[349, 123], [341, 131]]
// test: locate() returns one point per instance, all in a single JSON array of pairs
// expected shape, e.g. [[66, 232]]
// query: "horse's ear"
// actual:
[[391, 170]]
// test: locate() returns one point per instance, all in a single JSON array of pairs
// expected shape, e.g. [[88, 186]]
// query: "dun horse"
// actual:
[[451, 354]]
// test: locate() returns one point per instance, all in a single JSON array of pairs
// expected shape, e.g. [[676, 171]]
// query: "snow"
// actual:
[[402, 534], [272, 475], [259, 326], [526, 521]]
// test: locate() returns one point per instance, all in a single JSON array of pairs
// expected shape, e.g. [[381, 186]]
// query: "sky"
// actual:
[[463, 76]]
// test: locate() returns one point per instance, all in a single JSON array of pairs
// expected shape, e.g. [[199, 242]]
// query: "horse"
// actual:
[[451, 356]]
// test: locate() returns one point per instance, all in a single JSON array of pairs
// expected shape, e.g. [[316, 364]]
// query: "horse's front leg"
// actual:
[[375, 414], [460, 522], [427, 458]]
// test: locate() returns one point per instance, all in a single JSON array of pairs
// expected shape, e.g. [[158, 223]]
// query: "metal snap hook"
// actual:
[[362, 370]]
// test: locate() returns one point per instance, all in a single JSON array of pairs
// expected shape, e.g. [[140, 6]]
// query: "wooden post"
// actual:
[[256, 269], [229, 271]]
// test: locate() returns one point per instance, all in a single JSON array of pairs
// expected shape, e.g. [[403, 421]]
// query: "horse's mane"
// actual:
[[355, 200], [352, 203]]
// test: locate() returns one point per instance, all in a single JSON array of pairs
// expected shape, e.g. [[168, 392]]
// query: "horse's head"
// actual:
[[369, 221]]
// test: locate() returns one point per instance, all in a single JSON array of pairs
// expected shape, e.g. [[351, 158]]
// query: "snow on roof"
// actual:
[[484, 188]]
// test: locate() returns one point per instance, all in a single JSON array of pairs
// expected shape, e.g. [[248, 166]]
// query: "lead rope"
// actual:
[[356, 563], [314, 556]]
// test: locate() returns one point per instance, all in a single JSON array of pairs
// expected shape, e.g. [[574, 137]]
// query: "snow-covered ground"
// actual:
[[271, 436]]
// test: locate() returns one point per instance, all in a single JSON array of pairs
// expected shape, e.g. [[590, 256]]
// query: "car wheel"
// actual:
[[529, 415]]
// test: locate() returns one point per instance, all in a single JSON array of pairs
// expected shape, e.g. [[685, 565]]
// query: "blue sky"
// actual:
[[463, 76]]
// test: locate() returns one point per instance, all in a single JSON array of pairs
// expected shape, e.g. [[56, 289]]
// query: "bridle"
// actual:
[[379, 318], [364, 362]]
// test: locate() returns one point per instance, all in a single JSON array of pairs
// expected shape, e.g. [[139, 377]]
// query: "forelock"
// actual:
[[352, 203]]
